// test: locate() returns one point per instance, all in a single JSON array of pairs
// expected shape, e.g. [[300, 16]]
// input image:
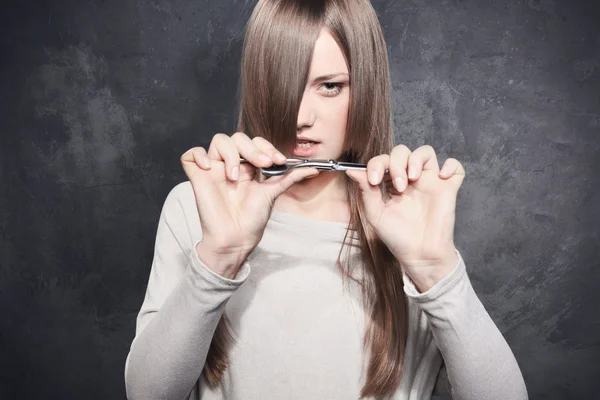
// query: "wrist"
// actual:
[[225, 262], [427, 276]]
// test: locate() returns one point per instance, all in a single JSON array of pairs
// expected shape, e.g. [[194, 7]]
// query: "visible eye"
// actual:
[[332, 88]]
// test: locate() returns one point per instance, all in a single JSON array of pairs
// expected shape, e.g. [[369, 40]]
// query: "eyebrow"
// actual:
[[328, 77]]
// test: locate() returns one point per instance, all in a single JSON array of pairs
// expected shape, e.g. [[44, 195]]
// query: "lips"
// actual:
[[305, 139], [306, 150]]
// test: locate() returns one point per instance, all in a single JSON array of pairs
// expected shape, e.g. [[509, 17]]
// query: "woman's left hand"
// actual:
[[415, 220]]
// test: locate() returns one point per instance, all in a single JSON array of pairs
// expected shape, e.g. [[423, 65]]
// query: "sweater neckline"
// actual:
[[316, 227]]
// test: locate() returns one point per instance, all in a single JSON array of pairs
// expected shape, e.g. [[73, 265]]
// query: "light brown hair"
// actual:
[[276, 57]]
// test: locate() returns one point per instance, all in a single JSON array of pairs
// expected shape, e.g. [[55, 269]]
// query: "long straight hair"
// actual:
[[276, 57]]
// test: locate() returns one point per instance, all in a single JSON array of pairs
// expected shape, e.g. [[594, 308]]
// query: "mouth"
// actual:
[[305, 148], [305, 143]]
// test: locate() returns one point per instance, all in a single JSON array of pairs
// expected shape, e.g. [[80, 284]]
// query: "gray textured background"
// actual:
[[100, 99]]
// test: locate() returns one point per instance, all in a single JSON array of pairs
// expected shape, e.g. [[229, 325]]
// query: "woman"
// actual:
[[314, 285]]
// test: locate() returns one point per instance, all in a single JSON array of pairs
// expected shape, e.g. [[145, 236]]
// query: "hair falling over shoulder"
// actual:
[[276, 56]]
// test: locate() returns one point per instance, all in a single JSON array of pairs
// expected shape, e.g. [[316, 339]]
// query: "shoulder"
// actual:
[[179, 194], [180, 199], [180, 212]]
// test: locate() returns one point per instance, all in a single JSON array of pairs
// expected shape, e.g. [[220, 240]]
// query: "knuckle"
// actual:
[[198, 152], [260, 141], [219, 137], [190, 152], [238, 135], [402, 148]]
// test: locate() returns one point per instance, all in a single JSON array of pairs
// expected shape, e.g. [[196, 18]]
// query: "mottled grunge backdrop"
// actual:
[[99, 99]]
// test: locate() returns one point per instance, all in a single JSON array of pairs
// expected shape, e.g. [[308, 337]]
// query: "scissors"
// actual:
[[321, 164]]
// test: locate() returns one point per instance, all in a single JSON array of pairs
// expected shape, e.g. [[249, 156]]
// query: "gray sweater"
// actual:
[[298, 329]]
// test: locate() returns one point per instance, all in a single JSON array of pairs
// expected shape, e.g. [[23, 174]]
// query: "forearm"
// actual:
[[479, 362], [167, 357]]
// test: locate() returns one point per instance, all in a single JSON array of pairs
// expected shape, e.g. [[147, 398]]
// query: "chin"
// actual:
[[308, 178]]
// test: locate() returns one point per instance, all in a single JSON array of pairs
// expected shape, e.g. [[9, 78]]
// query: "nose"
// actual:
[[306, 113]]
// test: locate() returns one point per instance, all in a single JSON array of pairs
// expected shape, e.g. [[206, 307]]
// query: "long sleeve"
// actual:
[[477, 358], [183, 304]]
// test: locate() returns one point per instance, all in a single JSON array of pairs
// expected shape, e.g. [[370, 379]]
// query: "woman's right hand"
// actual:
[[234, 207]]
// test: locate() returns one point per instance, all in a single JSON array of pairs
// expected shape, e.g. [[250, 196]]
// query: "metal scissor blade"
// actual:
[[326, 164], [345, 166], [275, 169], [320, 164]]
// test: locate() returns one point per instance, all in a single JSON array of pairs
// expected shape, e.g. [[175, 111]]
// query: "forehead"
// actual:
[[327, 56]]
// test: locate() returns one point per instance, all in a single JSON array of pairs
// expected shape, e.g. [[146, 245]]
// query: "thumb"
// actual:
[[279, 184], [455, 172], [371, 194], [458, 177]]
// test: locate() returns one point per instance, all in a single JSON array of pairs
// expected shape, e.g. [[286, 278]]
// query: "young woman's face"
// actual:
[[324, 108]]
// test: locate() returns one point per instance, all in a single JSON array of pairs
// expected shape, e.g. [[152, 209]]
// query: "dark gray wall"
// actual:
[[100, 99]]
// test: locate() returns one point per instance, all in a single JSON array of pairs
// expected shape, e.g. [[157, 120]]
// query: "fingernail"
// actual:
[[412, 172], [264, 158], [373, 178], [280, 157], [206, 162], [399, 184], [235, 172]]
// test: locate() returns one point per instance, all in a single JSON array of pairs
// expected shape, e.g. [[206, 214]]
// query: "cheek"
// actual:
[[343, 115], [339, 114]]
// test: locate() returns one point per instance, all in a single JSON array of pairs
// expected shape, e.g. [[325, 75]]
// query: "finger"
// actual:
[[276, 185], [390, 188], [267, 147], [193, 161], [454, 171], [248, 150], [449, 168], [423, 158], [223, 148], [376, 168], [201, 181], [212, 152], [198, 156], [398, 162]]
